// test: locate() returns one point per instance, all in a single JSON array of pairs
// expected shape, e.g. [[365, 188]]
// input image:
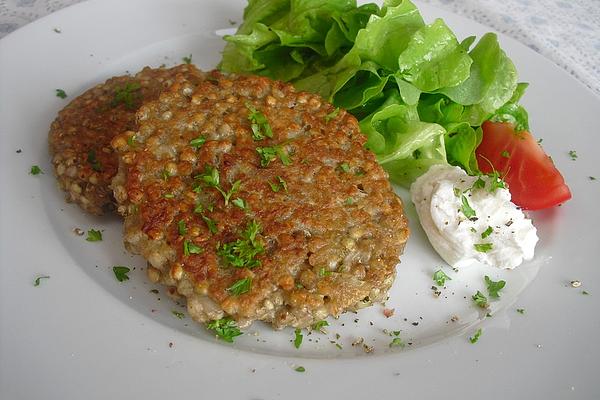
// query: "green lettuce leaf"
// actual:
[[434, 59], [492, 80], [386, 36], [281, 39], [398, 138], [375, 49], [513, 112], [461, 140]]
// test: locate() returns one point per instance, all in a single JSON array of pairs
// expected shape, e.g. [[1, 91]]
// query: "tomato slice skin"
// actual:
[[533, 180]]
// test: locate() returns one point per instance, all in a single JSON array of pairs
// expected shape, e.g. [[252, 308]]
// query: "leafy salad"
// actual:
[[420, 94]]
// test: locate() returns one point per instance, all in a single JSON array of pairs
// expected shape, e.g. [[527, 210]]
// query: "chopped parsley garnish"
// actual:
[[505, 154], [197, 142], [283, 155], [61, 93], [191, 248], [494, 287], [457, 192], [473, 339], [181, 227], [345, 167], [397, 342], [35, 170], [479, 183], [165, 175], [259, 123], [349, 201], [39, 279], [242, 252], [241, 286], [440, 277], [277, 186], [483, 247], [300, 369], [234, 188], [298, 338], [225, 328], [211, 178], [127, 95], [196, 186], [496, 182], [131, 140], [480, 299], [239, 202], [187, 59], [487, 232], [573, 155], [211, 224], [319, 325], [178, 314], [332, 115], [169, 196], [585, 292], [93, 236], [466, 208], [93, 161], [521, 310], [268, 154], [323, 272], [121, 273]]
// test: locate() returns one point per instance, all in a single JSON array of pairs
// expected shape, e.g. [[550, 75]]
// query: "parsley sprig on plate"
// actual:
[[494, 287], [225, 328], [440, 277], [94, 235], [121, 272]]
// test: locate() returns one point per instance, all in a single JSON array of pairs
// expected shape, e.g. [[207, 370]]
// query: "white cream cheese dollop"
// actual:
[[499, 234]]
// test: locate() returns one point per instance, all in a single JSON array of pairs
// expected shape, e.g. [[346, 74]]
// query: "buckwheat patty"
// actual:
[[79, 138], [258, 202]]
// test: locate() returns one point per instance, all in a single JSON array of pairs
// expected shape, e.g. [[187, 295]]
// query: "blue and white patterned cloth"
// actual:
[[565, 31]]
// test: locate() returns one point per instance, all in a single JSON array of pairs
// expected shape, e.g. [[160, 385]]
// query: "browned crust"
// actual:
[[310, 227], [79, 138]]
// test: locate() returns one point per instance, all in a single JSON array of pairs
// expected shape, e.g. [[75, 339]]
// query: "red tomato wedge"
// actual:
[[533, 180]]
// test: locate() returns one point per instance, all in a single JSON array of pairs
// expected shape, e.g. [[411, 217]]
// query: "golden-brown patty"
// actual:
[[79, 138], [258, 202]]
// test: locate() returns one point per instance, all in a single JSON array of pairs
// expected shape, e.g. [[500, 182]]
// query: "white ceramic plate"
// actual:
[[82, 334]]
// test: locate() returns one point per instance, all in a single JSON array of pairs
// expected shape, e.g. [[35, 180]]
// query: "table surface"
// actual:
[[565, 31]]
